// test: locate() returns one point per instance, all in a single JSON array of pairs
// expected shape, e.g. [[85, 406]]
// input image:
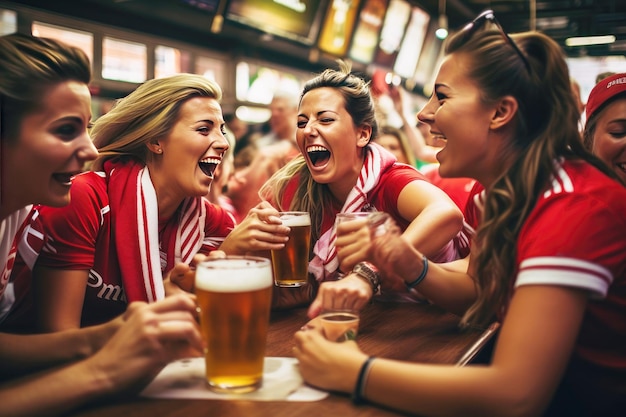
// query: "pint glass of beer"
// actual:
[[291, 263], [234, 298]]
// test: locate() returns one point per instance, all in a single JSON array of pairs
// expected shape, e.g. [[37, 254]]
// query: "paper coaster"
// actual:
[[185, 379]]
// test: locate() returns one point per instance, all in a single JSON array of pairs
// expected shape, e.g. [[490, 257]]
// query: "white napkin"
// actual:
[[185, 379]]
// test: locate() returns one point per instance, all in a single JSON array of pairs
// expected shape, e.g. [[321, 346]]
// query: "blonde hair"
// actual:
[[147, 114], [311, 196], [546, 130], [402, 140]]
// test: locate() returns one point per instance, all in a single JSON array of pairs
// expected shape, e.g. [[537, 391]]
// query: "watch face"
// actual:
[[365, 271]]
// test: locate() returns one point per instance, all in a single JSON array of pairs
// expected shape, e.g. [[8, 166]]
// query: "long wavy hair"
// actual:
[[29, 67], [311, 196], [147, 114], [546, 131]]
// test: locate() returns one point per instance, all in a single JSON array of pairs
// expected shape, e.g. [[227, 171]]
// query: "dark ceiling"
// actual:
[[559, 19], [173, 19]]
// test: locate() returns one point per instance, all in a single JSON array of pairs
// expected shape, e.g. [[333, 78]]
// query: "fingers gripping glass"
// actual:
[[479, 22]]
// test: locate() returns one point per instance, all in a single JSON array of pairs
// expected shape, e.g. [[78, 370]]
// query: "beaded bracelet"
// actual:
[[411, 285], [358, 397]]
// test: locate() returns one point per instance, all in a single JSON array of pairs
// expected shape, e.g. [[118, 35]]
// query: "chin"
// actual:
[[56, 201]]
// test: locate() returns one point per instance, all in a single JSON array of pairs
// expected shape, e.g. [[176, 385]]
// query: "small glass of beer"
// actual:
[[234, 298], [340, 325], [291, 263]]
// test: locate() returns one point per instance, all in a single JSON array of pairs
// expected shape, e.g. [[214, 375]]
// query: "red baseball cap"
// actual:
[[604, 90]]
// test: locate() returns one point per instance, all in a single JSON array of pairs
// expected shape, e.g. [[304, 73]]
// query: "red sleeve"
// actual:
[[219, 223], [385, 196], [71, 231]]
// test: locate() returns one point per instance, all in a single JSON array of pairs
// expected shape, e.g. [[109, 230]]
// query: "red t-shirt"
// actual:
[[458, 189], [80, 237], [575, 236]]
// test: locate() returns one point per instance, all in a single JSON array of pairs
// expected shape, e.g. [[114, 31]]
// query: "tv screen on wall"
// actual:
[[298, 20]]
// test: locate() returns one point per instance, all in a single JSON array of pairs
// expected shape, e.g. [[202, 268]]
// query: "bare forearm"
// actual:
[[453, 290], [23, 354], [52, 393], [434, 228], [427, 390]]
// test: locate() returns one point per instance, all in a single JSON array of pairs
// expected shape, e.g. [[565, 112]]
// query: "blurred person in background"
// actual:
[[605, 130], [272, 151], [44, 117], [394, 140]]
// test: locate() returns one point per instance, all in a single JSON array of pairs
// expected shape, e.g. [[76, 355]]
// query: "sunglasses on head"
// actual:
[[480, 21]]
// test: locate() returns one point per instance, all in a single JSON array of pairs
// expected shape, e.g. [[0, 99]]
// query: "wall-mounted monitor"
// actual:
[[394, 26], [209, 6], [298, 20], [258, 82], [366, 35], [412, 43], [338, 26]]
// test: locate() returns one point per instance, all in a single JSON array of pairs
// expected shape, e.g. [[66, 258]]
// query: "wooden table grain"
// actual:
[[404, 331]]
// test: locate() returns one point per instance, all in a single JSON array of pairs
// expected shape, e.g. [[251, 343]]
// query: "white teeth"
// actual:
[[315, 148], [210, 160]]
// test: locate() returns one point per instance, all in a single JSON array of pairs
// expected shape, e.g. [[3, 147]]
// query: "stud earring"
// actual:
[[159, 150]]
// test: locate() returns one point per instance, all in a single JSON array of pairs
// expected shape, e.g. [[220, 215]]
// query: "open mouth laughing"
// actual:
[[318, 155], [64, 178], [208, 165]]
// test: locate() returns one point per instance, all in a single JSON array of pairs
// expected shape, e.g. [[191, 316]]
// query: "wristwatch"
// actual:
[[369, 273]]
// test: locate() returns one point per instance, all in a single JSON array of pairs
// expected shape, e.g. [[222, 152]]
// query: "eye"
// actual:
[[440, 96], [68, 131], [618, 134], [203, 130], [302, 124]]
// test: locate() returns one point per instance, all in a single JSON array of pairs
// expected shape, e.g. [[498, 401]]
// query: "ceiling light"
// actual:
[[589, 40], [442, 31]]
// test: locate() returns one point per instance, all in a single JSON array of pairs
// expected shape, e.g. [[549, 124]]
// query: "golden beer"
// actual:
[[340, 325], [234, 297], [291, 263]]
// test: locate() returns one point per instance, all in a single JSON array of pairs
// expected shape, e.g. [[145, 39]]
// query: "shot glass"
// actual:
[[340, 324]]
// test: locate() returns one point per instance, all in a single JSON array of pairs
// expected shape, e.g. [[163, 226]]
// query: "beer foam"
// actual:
[[234, 276], [295, 220]]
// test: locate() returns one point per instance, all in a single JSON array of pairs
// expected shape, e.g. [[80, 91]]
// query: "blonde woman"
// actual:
[[138, 218]]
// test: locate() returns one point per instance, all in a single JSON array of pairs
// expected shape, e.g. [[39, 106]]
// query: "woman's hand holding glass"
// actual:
[[327, 364], [353, 239], [261, 230], [349, 293], [395, 258]]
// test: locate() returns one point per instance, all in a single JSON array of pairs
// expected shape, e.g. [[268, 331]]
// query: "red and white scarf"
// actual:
[[134, 223], [324, 264]]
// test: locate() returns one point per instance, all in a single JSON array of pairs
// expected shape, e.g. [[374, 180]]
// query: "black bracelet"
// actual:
[[411, 285], [358, 397]]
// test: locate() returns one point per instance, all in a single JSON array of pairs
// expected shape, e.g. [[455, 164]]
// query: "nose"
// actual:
[[427, 114], [221, 143], [309, 129], [86, 151]]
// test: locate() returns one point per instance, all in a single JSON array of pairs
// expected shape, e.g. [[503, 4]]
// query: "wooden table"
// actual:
[[405, 331]]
